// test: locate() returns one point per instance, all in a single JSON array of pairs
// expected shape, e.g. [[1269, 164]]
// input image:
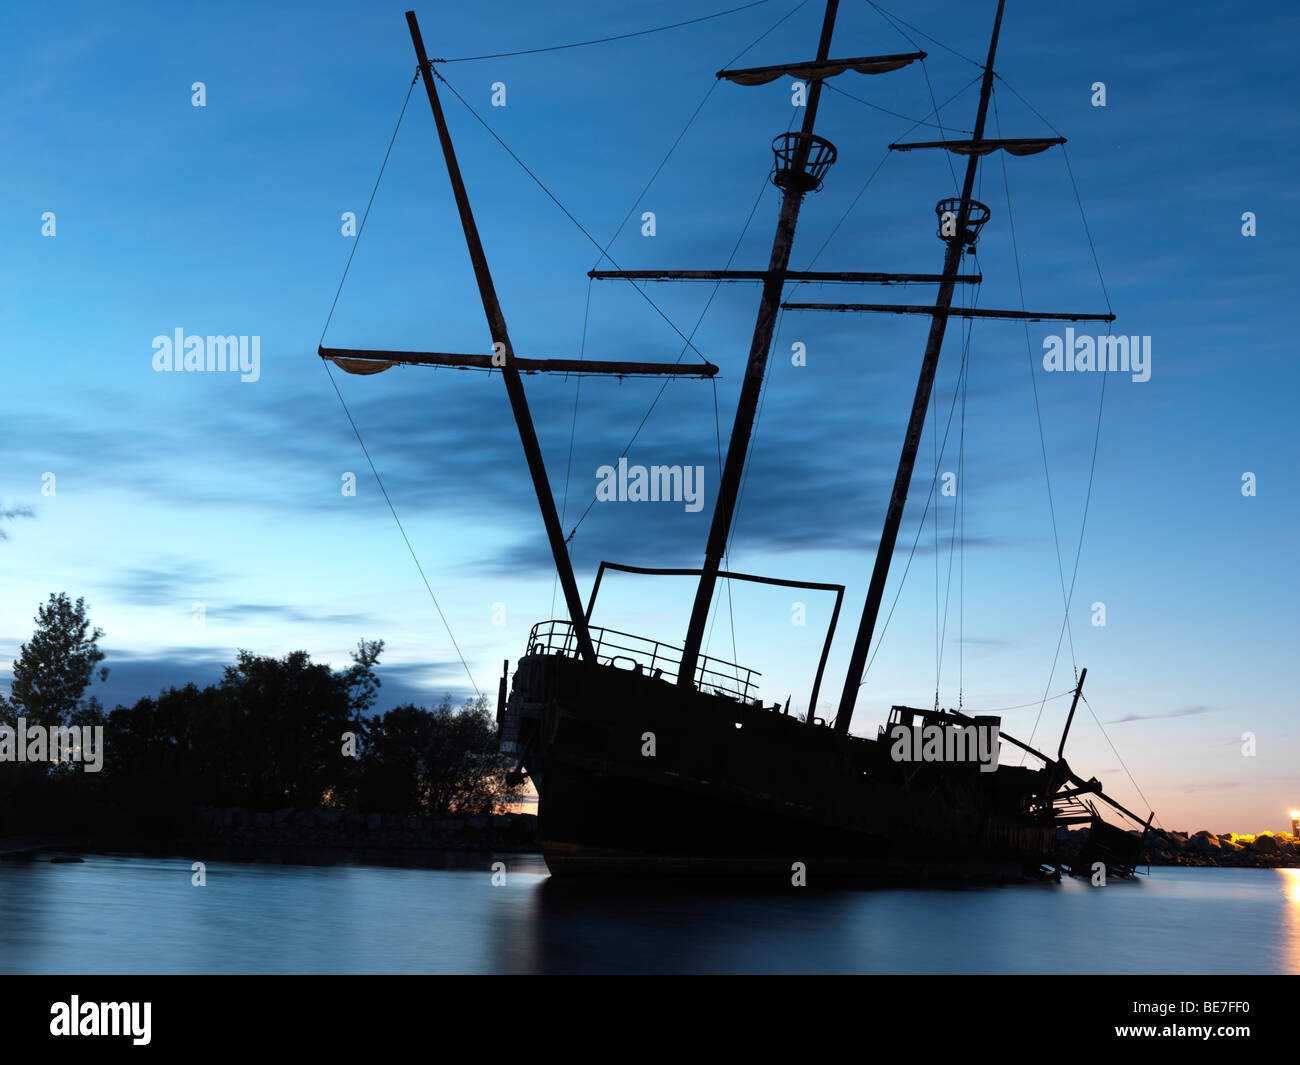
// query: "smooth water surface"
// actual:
[[134, 914]]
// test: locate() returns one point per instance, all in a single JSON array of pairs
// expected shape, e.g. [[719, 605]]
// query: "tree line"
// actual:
[[272, 733]]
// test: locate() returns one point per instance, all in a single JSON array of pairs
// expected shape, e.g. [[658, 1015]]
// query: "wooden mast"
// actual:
[[894, 515], [509, 373], [752, 387]]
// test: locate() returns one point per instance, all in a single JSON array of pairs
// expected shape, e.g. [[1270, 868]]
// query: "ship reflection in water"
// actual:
[[141, 915]]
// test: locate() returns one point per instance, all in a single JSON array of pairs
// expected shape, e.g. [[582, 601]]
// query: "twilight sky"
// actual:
[[176, 489]]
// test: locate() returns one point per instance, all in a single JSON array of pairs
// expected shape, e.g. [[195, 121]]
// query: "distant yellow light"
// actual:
[[1295, 814]]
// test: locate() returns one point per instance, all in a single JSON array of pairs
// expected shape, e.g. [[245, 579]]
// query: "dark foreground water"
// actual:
[[131, 914]]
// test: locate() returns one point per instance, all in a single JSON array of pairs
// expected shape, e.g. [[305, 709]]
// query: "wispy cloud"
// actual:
[[162, 584], [1188, 711], [271, 612], [169, 583]]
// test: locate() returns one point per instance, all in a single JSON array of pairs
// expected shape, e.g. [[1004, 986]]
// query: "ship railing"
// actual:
[[654, 657]]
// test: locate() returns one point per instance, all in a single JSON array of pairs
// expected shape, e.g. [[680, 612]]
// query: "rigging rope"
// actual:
[[632, 209], [726, 550], [604, 252], [573, 428], [699, 321], [1022, 706], [351, 421], [961, 581], [1087, 230], [1096, 435], [1120, 759], [897, 114], [920, 525], [894, 18], [689, 122], [1066, 596], [605, 40], [1042, 438], [716, 287], [830, 236], [366, 214], [925, 70], [871, 177], [958, 506], [567, 213], [962, 377], [758, 416], [744, 478], [934, 440]]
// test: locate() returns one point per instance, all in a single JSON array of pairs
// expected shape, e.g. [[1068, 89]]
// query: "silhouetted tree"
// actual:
[[268, 735], [50, 677], [52, 672], [288, 717], [167, 755], [434, 762]]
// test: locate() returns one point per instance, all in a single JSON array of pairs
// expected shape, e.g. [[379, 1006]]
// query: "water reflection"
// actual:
[[124, 914], [1291, 917], [652, 929]]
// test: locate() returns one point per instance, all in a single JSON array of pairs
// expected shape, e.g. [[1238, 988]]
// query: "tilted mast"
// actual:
[[369, 361], [802, 158], [514, 386], [938, 324], [965, 217]]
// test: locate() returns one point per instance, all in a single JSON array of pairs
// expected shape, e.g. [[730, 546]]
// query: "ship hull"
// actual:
[[660, 829], [638, 778]]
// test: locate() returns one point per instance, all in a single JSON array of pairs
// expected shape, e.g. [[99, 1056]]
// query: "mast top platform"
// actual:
[[801, 162], [950, 210]]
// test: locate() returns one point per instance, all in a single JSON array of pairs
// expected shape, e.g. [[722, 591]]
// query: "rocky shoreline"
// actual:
[[322, 829], [1268, 850], [315, 833]]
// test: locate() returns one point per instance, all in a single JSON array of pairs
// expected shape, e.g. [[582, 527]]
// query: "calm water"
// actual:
[[125, 914]]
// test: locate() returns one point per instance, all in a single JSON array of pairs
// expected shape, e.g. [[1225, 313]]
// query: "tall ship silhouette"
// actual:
[[655, 759]]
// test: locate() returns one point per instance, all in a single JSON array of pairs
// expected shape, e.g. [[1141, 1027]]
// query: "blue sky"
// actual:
[[173, 489]]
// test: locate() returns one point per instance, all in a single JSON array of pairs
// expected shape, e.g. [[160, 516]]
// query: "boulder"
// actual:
[[1265, 844], [1205, 841]]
